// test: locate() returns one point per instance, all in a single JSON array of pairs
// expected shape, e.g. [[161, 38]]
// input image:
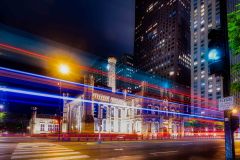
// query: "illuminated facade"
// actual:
[[109, 112], [43, 124], [162, 38], [121, 116], [97, 110], [205, 88]]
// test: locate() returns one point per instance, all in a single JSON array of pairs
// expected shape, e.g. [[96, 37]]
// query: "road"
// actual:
[[33, 148], [153, 150]]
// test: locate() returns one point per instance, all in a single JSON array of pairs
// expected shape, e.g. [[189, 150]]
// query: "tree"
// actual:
[[234, 44], [13, 122]]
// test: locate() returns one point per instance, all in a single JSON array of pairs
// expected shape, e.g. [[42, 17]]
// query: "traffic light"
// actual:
[[234, 123], [96, 110], [216, 52]]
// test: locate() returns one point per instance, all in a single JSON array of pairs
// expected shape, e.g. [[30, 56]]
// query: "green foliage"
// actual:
[[234, 44], [235, 87], [13, 123], [3, 115], [235, 68], [234, 32]]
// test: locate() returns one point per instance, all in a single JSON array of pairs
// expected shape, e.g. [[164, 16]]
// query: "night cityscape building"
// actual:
[[125, 68], [162, 38], [205, 88], [121, 113], [43, 123], [156, 94]]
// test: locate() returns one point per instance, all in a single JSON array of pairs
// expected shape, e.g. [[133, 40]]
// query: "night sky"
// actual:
[[102, 27]]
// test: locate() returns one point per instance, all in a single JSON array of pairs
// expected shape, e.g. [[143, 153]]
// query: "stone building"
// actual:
[[42, 123]]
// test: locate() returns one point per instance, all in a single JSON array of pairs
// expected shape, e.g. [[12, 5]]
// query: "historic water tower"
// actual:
[[112, 73]]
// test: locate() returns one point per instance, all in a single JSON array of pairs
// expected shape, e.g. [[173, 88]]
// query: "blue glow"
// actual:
[[214, 55], [99, 88], [103, 103], [108, 67], [166, 85]]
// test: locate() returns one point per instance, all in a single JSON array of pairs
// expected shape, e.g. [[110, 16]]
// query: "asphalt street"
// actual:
[[34, 148]]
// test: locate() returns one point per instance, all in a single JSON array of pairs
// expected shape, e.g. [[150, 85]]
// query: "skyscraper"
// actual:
[[205, 88], [162, 38], [126, 70]]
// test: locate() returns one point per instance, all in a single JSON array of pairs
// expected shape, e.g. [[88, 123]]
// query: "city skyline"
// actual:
[[80, 80]]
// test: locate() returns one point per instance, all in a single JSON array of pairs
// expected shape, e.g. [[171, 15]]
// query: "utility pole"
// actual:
[[99, 124], [229, 133], [59, 111]]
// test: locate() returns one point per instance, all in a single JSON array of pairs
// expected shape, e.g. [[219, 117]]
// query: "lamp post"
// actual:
[[1, 107], [63, 70]]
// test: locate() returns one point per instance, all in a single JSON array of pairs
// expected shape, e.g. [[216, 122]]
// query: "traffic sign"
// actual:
[[226, 103]]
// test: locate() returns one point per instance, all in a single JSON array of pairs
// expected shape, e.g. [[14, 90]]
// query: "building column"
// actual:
[[88, 119], [33, 121], [65, 119]]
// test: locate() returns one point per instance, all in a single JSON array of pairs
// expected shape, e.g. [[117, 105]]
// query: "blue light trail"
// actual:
[[31, 93], [99, 88]]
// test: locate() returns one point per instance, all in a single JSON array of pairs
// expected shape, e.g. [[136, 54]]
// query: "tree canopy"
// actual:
[[234, 45]]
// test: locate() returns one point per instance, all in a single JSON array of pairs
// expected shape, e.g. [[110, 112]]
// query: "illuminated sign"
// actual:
[[226, 103]]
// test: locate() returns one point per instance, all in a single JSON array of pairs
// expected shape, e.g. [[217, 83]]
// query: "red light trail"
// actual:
[[93, 70]]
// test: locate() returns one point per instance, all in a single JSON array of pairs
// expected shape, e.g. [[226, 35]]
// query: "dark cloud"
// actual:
[[103, 27]]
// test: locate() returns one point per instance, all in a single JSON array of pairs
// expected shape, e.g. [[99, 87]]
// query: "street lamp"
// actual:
[[1, 107], [64, 70], [234, 111]]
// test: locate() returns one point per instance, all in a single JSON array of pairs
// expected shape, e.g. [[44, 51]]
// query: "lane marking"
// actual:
[[154, 153], [66, 158], [38, 149], [39, 152], [118, 149], [45, 151]]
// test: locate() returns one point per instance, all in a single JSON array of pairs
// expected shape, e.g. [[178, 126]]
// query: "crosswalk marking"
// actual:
[[40, 149], [42, 155], [45, 151], [36, 152], [66, 158]]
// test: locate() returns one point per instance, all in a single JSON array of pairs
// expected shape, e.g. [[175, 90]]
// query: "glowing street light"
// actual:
[[234, 111], [64, 69], [1, 106]]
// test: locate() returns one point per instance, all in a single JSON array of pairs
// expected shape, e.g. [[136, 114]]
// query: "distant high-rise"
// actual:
[[205, 88], [126, 70], [162, 38]]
